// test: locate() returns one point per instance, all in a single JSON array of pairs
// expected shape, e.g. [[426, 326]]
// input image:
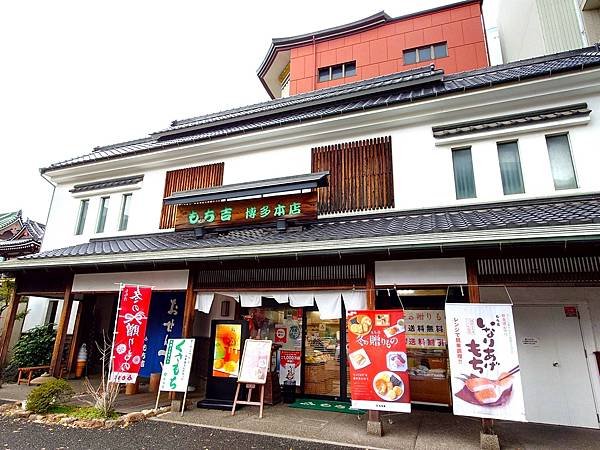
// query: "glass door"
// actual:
[[323, 356]]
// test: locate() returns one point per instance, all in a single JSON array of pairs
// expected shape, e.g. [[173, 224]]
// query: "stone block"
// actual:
[[489, 441]]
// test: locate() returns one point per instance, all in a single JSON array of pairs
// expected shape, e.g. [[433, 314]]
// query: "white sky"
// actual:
[[78, 74]]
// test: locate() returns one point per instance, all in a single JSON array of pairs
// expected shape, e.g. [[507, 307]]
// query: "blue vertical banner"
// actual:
[[165, 321]]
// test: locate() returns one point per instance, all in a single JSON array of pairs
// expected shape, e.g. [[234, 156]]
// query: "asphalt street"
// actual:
[[18, 434]]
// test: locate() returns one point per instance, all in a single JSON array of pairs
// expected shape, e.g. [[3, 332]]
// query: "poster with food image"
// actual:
[[486, 378], [378, 361], [255, 362], [290, 367], [228, 344]]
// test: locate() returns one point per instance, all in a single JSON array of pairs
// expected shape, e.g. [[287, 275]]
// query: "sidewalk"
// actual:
[[418, 430]]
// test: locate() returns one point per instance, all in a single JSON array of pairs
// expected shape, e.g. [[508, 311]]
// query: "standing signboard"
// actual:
[[254, 368], [176, 368], [378, 361], [130, 330], [484, 363], [165, 321]]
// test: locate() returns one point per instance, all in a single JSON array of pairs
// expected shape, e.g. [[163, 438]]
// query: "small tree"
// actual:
[[105, 395], [7, 286]]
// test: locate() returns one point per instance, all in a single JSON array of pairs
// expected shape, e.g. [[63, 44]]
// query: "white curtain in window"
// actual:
[[354, 300], [204, 301], [561, 162], [251, 299], [329, 304], [300, 299], [279, 298]]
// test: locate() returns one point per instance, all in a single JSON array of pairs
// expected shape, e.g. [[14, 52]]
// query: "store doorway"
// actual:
[[556, 380], [324, 357]]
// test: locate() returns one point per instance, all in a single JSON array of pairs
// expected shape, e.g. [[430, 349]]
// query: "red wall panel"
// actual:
[[379, 51]]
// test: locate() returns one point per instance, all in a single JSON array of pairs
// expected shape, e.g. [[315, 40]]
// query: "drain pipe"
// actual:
[[50, 206]]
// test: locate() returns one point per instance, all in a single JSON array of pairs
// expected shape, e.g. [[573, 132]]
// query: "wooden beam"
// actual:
[[9, 322], [189, 311], [472, 282], [75, 340], [61, 332]]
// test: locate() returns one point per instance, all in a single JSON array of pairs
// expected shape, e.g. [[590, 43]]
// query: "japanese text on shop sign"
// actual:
[[177, 365]]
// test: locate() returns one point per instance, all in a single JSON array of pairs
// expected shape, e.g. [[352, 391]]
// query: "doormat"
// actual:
[[325, 405]]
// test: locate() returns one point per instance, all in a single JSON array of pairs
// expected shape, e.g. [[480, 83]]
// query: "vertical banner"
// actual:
[[177, 365], [486, 381], [378, 361], [130, 330], [165, 321]]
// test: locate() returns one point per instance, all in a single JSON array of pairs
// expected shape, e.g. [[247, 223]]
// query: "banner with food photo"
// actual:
[[378, 361], [486, 378]]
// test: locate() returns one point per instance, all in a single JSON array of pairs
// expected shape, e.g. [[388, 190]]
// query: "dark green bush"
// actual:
[[49, 394], [33, 348]]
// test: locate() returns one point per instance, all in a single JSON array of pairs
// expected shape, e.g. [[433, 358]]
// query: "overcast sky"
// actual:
[[78, 74]]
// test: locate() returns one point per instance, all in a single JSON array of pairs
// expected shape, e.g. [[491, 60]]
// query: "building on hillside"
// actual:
[[451, 37], [530, 28], [399, 190], [19, 236]]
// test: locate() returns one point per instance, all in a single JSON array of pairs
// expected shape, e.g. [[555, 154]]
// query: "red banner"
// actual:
[[130, 331], [378, 361]]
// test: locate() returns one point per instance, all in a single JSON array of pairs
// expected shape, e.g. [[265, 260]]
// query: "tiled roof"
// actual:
[[33, 228], [105, 184], [7, 219], [512, 120], [380, 92], [524, 214]]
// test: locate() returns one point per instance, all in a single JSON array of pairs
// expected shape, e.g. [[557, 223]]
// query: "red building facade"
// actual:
[[452, 38]]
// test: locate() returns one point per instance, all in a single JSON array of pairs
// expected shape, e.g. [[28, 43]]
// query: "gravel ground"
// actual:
[[17, 434]]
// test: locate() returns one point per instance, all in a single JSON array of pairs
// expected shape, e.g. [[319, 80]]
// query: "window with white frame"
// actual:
[[464, 177], [425, 53], [510, 168], [81, 216], [102, 213], [561, 162], [124, 212], [347, 69]]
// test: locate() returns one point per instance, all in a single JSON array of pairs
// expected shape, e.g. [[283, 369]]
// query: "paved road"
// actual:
[[16, 434]]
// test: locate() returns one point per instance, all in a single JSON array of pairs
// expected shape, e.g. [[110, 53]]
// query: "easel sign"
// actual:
[[176, 368], [254, 368]]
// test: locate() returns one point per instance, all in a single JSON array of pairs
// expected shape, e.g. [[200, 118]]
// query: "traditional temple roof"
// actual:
[[541, 220], [25, 239]]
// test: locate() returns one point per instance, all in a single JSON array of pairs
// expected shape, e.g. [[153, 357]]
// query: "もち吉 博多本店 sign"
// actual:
[[248, 211]]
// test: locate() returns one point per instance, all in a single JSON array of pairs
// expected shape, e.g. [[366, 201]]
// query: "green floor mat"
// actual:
[[325, 405]]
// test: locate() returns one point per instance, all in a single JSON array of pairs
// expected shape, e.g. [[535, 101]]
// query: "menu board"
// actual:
[[378, 361], [255, 361], [425, 329], [228, 343]]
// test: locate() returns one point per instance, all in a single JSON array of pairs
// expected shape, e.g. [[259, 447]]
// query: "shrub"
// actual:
[[49, 394], [33, 348]]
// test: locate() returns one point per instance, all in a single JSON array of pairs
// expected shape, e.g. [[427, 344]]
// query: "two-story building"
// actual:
[[393, 168]]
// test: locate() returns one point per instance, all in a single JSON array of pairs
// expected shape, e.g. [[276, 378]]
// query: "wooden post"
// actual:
[[61, 332], [487, 425], [75, 341], [9, 322], [189, 311], [374, 425]]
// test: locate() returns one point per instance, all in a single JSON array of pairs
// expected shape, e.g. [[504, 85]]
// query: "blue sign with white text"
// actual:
[[165, 321]]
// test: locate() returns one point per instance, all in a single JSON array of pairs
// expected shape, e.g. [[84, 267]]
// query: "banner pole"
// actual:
[[157, 398], [112, 346]]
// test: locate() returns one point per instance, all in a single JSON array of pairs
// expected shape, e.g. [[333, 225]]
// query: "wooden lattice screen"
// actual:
[[361, 175], [198, 177]]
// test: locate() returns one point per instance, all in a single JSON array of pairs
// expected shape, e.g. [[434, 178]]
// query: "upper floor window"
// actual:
[[124, 213], [81, 216], [360, 175], [102, 213], [510, 168], [426, 53], [464, 178], [561, 162], [338, 71]]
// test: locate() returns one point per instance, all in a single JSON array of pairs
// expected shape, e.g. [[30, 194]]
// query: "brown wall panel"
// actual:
[[361, 175], [199, 177]]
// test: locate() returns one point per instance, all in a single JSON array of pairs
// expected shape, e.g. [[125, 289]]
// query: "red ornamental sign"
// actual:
[[130, 330], [378, 361]]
